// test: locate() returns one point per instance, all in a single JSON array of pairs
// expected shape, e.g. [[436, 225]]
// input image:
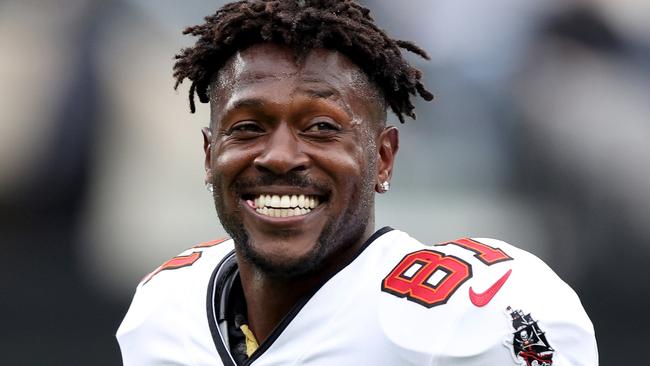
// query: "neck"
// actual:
[[270, 298]]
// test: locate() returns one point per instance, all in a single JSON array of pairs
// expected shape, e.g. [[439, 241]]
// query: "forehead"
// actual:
[[318, 71]]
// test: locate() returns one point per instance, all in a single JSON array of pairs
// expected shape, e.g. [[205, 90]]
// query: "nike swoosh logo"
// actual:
[[482, 299]]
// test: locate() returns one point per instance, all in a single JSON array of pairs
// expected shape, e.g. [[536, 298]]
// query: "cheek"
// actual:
[[348, 164], [228, 163]]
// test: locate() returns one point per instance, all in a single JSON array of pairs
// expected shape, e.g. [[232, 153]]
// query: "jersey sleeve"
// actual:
[[478, 302], [535, 318], [145, 335], [166, 323]]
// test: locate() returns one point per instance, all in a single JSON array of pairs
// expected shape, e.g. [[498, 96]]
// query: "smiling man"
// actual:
[[293, 158], [296, 149]]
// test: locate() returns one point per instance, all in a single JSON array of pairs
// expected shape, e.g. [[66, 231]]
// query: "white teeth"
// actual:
[[313, 202], [301, 200], [290, 202], [282, 212]]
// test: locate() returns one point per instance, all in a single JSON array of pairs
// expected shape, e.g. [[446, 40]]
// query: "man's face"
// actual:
[[295, 149]]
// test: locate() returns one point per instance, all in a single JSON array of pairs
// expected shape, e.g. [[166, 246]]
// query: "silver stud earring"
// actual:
[[384, 187], [209, 187]]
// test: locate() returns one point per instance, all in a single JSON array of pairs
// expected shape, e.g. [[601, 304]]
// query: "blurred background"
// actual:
[[538, 136]]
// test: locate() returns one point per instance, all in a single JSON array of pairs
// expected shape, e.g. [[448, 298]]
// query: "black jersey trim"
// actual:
[[221, 271], [219, 282]]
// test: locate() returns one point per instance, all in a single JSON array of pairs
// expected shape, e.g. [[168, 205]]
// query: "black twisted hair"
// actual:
[[341, 25]]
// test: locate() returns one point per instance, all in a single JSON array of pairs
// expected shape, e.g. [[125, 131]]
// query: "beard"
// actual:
[[341, 230]]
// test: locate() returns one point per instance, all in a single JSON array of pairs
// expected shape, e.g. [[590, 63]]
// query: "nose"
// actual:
[[282, 153]]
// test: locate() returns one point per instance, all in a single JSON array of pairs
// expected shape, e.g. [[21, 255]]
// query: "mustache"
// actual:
[[291, 179]]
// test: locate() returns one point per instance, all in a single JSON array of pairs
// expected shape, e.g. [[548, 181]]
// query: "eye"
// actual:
[[245, 127], [323, 126]]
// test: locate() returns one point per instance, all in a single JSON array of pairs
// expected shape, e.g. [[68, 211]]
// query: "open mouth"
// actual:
[[273, 205]]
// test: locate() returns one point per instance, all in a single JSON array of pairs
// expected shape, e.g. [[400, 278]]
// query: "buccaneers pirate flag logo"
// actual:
[[528, 342]]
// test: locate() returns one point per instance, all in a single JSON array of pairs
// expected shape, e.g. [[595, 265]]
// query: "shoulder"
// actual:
[[187, 270], [170, 302], [195, 260], [470, 290]]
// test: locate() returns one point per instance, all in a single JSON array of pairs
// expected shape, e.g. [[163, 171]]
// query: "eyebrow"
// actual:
[[239, 104], [252, 103], [258, 103]]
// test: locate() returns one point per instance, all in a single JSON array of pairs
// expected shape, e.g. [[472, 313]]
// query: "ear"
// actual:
[[388, 144], [207, 149]]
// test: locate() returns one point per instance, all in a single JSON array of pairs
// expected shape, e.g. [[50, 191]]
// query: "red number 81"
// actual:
[[429, 278]]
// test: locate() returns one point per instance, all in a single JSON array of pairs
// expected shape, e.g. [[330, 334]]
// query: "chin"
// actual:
[[284, 260]]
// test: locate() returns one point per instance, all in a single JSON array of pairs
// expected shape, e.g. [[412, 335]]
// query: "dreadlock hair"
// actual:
[[340, 25]]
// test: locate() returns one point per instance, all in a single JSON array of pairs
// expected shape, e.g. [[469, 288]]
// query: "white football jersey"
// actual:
[[469, 302]]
